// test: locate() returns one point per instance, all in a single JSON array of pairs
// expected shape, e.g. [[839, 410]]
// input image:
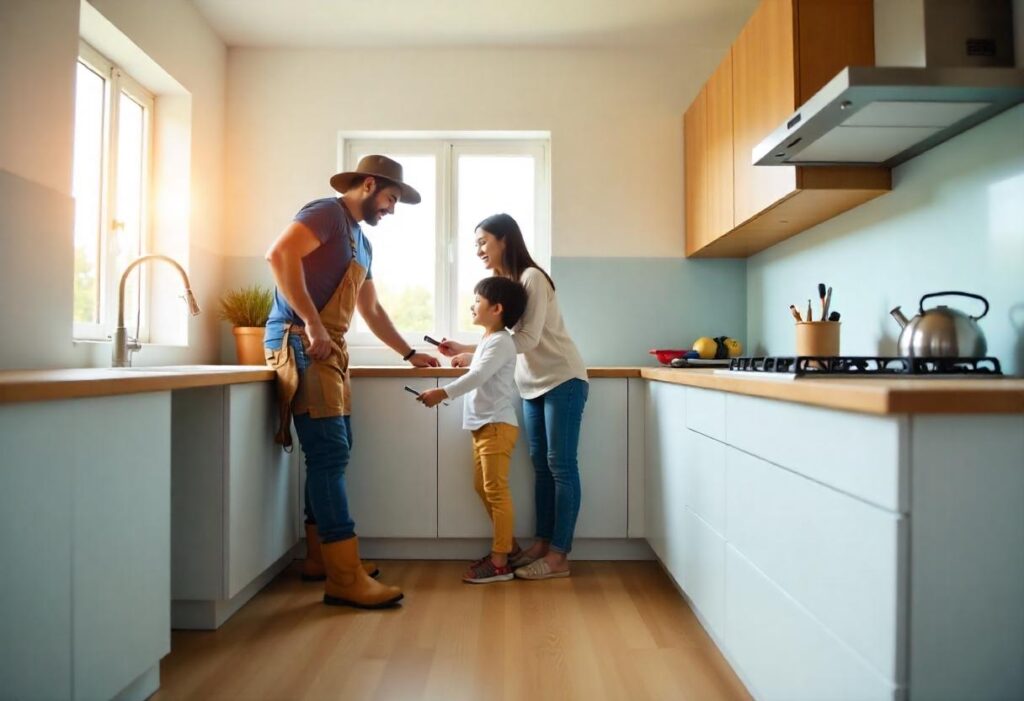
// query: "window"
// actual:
[[113, 127], [424, 256]]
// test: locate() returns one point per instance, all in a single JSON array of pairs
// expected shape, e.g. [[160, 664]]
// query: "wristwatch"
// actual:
[[411, 353]]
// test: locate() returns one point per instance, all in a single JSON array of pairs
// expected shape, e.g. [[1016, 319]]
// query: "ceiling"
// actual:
[[466, 23]]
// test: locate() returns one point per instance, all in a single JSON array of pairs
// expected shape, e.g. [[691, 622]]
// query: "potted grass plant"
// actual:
[[247, 309]]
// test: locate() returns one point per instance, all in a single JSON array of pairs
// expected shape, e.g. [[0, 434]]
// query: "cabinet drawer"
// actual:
[[703, 480], [784, 653], [699, 559], [837, 556], [705, 412], [855, 453]]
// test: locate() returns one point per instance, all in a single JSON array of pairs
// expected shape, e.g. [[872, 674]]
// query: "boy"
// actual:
[[489, 412]]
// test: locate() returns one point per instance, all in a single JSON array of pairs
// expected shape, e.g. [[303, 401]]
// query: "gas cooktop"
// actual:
[[865, 366]]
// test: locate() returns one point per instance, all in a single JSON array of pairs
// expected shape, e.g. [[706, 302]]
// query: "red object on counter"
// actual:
[[666, 356]]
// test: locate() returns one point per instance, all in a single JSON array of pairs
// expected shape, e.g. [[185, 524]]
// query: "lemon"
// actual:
[[734, 347], [706, 347]]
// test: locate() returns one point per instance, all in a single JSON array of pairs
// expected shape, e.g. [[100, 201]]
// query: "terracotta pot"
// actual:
[[249, 345]]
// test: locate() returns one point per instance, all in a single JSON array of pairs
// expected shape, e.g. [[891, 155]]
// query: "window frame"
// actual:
[[117, 81], [446, 148]]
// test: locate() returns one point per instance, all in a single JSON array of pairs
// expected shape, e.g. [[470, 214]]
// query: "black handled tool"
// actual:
[[428, 339], [407, 388]]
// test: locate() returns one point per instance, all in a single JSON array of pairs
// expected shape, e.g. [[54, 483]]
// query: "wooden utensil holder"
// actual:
[[817, 338]]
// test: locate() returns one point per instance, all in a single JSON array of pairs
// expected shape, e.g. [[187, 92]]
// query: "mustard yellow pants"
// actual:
[[492, 454]]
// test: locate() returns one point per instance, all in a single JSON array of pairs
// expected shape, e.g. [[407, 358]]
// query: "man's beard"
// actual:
[[371, 215]]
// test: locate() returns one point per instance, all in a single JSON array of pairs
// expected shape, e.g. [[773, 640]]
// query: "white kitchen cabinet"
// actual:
[[866, 456], [234, 498], [603, 459], [602, 462], [392, 474], [837, 556], [782, 652], [665, 456], [85, 532], [855, 556]]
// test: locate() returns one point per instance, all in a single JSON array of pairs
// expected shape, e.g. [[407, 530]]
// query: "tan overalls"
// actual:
[[323, 389]]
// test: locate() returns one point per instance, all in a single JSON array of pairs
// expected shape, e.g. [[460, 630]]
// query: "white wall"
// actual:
[[614, 117], [38, 46]]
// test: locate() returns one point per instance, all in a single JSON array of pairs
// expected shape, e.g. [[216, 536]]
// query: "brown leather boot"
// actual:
[[313, 566], [347, 581]]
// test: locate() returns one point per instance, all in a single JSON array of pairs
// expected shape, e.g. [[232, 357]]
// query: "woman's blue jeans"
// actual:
[[326, 443], [553, 430]]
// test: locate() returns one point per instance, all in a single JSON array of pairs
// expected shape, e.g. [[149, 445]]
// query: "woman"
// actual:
[[552, 380]]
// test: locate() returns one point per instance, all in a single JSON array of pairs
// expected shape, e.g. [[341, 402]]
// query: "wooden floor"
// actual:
[[614, 630]]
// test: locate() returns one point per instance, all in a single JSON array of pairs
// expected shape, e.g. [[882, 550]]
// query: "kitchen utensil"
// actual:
[[941, 332], [666, 356], [432, 341]]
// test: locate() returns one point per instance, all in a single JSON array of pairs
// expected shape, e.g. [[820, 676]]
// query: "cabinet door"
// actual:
[[764, 94], [261, 486], [666, 457], [695, 173], [392, 476], [122, 540], [602, 460], [719, 188], [460, 512], [35, 542]]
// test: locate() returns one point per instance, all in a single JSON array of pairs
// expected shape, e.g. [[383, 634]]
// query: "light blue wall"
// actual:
[[954, 221], [616, 309]]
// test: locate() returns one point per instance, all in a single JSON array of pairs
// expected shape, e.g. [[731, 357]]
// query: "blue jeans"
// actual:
[[552, 423], [326, 443]]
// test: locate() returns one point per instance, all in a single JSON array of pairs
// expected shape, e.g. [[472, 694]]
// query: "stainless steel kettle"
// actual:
[[942, 332]]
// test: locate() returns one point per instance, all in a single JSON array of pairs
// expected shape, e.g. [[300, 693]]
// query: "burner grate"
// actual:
[[866, 365]]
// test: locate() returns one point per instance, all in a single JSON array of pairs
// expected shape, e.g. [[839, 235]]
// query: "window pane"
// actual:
[[126, 243], [87, 189], [404, 251], [489, 185]]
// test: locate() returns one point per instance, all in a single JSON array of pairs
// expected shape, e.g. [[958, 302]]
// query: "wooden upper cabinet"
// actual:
[[708, 160], [764, 94], [785, 53]]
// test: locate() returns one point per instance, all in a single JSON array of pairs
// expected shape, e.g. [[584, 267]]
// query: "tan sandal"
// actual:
[[539, 569]]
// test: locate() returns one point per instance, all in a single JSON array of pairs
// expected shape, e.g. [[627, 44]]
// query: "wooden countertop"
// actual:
[[871, 396], [44, 385]]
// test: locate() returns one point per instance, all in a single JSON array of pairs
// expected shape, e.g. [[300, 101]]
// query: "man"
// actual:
[[321, 263]]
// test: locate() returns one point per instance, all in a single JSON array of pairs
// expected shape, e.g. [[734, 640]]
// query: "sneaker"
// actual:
[[519, 558], [486, 571]]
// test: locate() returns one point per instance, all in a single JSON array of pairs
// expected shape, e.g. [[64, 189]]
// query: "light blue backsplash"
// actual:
[[616, 309], [954, 221]]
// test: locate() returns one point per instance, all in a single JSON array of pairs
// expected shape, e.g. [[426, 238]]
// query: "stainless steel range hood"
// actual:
[[885, 115]]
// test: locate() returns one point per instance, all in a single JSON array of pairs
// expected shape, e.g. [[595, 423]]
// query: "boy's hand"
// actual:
[[450, 348], [432, 397], [462, 360]]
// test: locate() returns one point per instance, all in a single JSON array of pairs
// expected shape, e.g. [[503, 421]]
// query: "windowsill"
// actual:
[[154, 346]]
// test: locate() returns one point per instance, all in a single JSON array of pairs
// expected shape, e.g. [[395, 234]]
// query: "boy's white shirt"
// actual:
[[489, 386]]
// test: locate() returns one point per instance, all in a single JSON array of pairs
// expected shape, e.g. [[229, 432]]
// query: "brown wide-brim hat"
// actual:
[[378, 167]]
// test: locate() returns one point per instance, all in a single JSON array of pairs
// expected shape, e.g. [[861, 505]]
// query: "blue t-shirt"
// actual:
[[326, 266]]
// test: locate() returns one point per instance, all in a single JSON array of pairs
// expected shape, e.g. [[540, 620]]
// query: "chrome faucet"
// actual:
[[122, 347]]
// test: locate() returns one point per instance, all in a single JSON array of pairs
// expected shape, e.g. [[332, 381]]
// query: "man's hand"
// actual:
[[462, 360], [432, 397], [424, 360], [451, 348], [320, 345]]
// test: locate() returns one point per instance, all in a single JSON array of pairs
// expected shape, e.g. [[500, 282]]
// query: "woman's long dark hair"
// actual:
[[517, 258]]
